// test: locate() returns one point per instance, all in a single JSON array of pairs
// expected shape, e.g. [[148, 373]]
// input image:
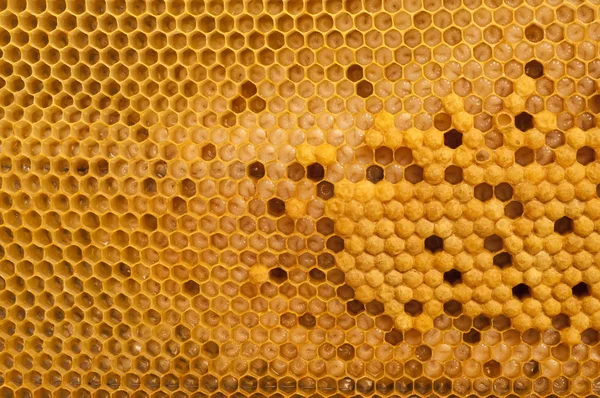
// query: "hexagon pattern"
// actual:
[[276, 198]]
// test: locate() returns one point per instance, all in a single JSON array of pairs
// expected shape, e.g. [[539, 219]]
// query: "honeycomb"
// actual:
[[269, 198]]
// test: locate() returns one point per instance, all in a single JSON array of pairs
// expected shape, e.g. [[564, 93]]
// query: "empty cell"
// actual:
[[524, 121], [434, 244], [453, 139], [563, 225]]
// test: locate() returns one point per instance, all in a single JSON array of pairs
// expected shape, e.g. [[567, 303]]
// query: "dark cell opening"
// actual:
[[335, 244], [524, 121], [413, 308], [355, 307], [524, 156], [453, 308], [493, 243], [256, 170], [503, 260], [434, 244], [453, 277], [586, 155], [521, 291], [531, 368], [534, 69], [484, 192], [325, 190], [325, 226], [394, 337], [278, 275], [481, 322], [414, 174], [375, 308], [295, 172], [561, 321], [453, 139], [423, 353], [307, 320], [503, 191], [354, 73], [375, 174], [581, 290], [364, 89], [473, 336], [491, 368], [315, 172], [563, 225], [590, 337], [453, 174], [316, 275], [326, 260], [276, 207], [514, 209]]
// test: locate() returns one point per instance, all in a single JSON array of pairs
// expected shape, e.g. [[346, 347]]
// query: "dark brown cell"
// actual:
[[514, 209], [364, 89], [481, 322], [256, 170], [534, 69], [503, 191], [325, 190], [453, 277], [473, 336], [524, 121], [278, 275], [315, 172], [442, 386], [534, 33], [375, 174], [563, 225], [453, 308], [295, 172], [524, 156], [326, 260], [531, 368], [209, 152], [493, 243], [581, 290], [561, 321], [413, 174], [354, 73], [590, 337], [413, 308], [413, 368], [586, 155], [375, 308], [307, 320], [335, 244], [316, 275], [394, 337], [453, 174], [434, 244], [503, 260], [484, 192], [345, 352], [453, 138], [355, 307], [423, 353], [521, 291], [276, 207], [325, 226], [345, 292]]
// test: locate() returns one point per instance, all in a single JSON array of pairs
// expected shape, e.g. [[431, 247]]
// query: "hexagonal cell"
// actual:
[[524, 121], [586, 155], [483, 192], [453, 139], [563, 225]]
